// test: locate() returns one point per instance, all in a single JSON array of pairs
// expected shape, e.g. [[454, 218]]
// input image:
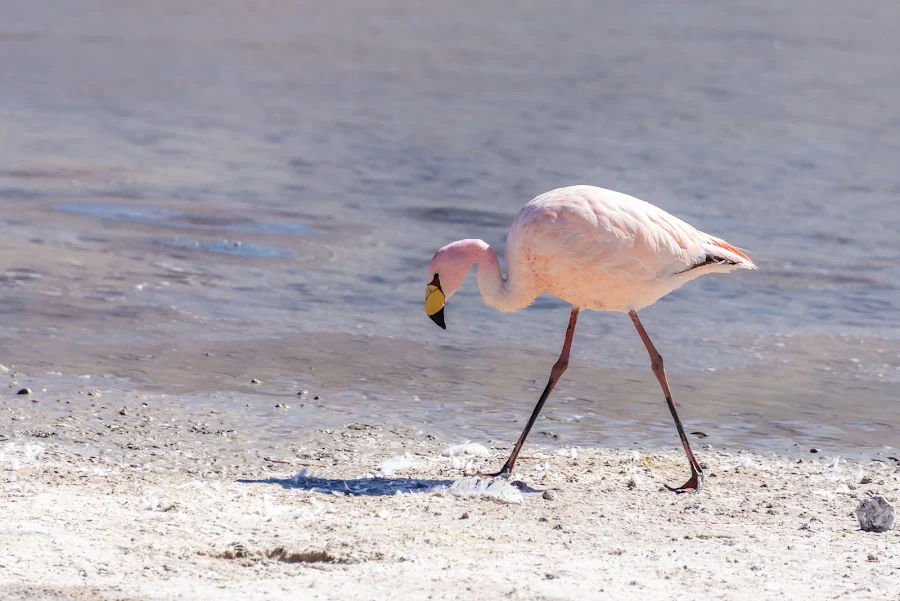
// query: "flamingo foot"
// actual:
[[691, 486], [504, 474]]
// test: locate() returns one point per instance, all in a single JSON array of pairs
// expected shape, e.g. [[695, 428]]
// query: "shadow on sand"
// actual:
[[372, 487], [378, 487]]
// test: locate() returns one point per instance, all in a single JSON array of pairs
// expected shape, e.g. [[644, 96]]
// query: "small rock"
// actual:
[[549, 495], [123, 411], [24, 391], [255, 381], [875, 515], [814, 450], [281, 406], [873, 558], [94, 392], [865, 480], [464, 516], [303, 393], [316, 398]]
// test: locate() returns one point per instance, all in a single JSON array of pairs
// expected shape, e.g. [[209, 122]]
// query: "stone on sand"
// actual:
[[875, 515]]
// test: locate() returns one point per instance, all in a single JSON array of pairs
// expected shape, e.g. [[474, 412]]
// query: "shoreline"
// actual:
[[138, 506]]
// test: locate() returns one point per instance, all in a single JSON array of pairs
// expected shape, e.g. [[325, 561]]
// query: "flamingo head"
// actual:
[[434, 301], [447, 270]]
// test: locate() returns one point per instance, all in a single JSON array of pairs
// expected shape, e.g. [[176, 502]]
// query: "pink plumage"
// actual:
[[595, 249]]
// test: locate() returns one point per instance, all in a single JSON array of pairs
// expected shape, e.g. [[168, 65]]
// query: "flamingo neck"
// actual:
[[503, 294]]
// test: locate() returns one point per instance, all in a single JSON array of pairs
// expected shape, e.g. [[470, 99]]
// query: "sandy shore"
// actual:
[[158, 500]]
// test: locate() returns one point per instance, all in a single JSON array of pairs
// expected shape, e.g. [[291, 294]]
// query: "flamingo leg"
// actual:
[[555, 374], [656, 363]]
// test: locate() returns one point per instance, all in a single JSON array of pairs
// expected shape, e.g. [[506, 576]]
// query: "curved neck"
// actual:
[[503, 294]]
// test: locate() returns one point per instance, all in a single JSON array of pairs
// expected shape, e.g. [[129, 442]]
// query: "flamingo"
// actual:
[[595, 249]]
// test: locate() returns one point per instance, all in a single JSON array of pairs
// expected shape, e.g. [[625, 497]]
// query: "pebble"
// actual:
[[255, 381], [303, 393], [123, 411], [814, 450], [549, 495], [875, 515], [464, 516], [873, 558], [24, 391], [279, 406]]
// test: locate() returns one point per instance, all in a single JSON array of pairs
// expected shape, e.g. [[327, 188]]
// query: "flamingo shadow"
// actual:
[[371, 487]]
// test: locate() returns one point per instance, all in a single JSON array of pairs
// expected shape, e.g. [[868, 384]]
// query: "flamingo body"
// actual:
[[607, 251]]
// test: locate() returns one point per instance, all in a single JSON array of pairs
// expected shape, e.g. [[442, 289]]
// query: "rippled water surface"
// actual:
[[195, 194]]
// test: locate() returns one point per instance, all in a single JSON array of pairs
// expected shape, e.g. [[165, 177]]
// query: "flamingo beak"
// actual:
[[434, 302]]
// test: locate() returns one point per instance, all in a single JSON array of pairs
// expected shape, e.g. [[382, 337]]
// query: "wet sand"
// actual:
[[155, 498], [482, 391]]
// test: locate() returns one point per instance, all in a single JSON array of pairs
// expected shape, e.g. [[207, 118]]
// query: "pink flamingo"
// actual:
[[595, 249]]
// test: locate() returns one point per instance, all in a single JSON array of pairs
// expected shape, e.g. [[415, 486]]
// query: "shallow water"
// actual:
[[266, 183]]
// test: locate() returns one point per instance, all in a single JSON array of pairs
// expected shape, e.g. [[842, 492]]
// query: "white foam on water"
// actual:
[[15, 456], [499, 490], [842, 488], [391, 466], [570, 453], [471, 449]]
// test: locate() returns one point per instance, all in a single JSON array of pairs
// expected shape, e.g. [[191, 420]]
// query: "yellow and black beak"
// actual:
[[434, 302]]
